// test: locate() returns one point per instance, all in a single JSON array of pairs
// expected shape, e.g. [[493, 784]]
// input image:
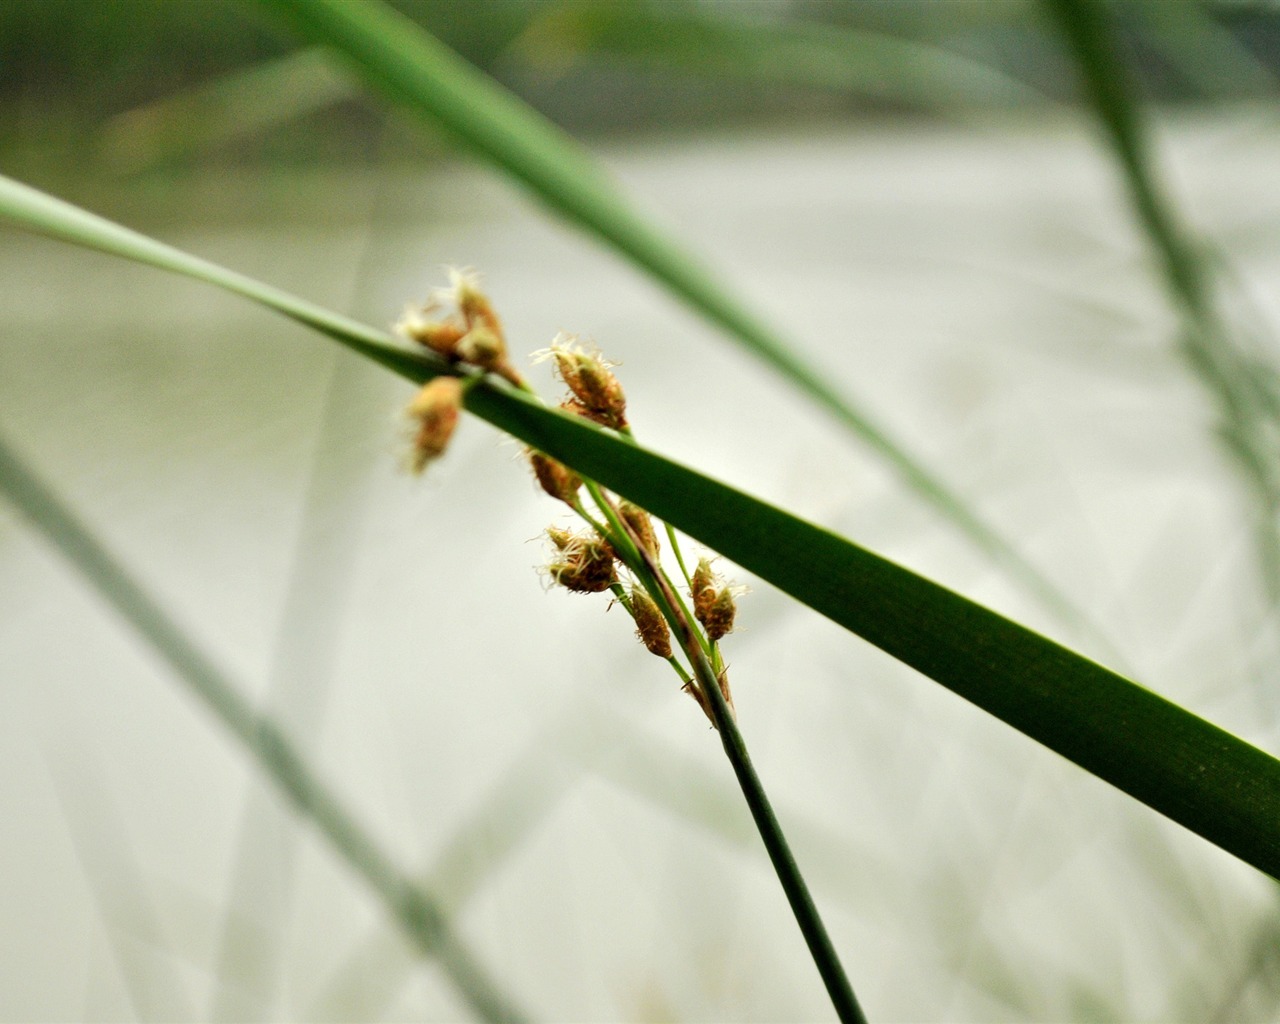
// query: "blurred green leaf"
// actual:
[[245, 103], [1238, 371], [828, 57]]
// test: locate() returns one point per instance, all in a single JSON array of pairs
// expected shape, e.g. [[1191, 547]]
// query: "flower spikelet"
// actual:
[[418, 324], [703, 589], [557, 479], [435, 409], [471, 332], [588, 376], [483, 347], [651, 627], [714, 603], [719, 617], [584, 564], [640, 524]]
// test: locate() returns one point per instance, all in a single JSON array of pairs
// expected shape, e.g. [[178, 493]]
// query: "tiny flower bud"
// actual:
[[595, 386], [420, 325], [482, 347], [584, 565], [560, 538], [719, 617], [472, 303], [713, 602], [702, 589], [441, 336], [436, 408], [639, 522], [557, 479], [651, 627], [592, 382]]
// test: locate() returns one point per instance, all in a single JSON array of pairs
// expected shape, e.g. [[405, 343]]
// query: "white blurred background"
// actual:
[[981, 290]]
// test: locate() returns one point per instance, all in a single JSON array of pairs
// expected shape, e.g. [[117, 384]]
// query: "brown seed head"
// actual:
[[595, 386], [719, 618], [436, 409], [441, 336], [703, 589], [482, 347], [472, 303], [640, 523], [591, 381], [651, 627], [557, 479], [584, 565]]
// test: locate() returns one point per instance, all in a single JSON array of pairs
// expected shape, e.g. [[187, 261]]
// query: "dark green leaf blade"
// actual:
[[1177, 763]]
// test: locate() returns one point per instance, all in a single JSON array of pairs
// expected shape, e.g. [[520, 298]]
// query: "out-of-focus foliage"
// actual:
[[69, 66]]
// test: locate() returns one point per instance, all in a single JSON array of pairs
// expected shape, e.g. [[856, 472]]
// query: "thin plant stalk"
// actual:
[[421, 918], [697, 649]]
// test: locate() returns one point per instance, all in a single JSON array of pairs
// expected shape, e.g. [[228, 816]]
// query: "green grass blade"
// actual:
[[811, 54], [29, 208], [411, 67], [423, 921], [1175, 762], [1084, 25], [1242, 378], [1179, 764]]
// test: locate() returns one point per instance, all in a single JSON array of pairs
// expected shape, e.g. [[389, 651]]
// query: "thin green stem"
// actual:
[[685, 677], [422, 919], [697, 648], [595, 524], [784, 863], [675, 548]]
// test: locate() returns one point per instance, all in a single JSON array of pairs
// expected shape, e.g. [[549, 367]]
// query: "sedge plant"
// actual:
[[1177, 763], [617, 553]]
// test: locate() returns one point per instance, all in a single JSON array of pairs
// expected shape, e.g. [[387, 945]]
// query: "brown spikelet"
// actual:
[[651, 627], [640, 524], [584, 565], [592, 384], [702, 589], [557, 479], [719, 616], [436, 409], [441, 336], [482, 347], [596, 387]]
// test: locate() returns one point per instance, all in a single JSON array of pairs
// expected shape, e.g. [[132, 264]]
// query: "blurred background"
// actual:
[[912, 193]]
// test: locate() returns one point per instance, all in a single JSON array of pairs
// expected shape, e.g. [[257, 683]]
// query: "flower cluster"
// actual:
[[620, 552], [594, 392], [458, 324]]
